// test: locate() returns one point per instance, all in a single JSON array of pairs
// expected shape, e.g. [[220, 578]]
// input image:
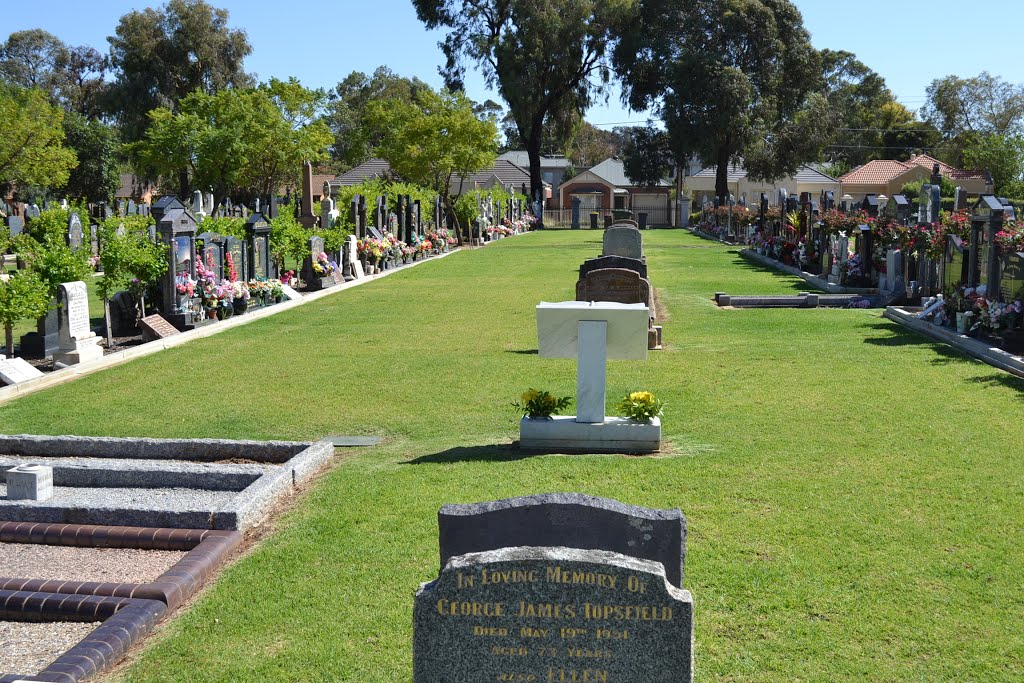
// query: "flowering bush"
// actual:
[[541, 404], [641, 406], [1011, 238]]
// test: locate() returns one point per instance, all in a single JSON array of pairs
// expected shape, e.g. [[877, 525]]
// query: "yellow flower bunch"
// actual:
[[541, 404], [641, 406]]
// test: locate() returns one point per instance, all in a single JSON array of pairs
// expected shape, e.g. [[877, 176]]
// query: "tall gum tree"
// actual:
[[731, 79], [548, 58]]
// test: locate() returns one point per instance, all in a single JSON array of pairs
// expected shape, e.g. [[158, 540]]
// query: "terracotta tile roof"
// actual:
[[877, 172], [947, 170]]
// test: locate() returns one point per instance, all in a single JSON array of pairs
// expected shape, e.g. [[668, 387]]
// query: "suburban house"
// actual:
[[502, 173], [606, 187], [747, 191], [552, 168], [888, 176]]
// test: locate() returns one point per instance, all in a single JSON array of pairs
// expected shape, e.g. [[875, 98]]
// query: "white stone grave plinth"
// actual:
[[30, 482], [592, 332]]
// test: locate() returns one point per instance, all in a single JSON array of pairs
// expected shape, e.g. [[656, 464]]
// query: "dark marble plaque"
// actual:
[[602, 262], [573, 520], [552, 614]]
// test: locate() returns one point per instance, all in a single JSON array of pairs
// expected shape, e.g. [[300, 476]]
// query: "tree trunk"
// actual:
[[450, 206], [106, 317], [533, 142], [9, 338], [142, 303], [722, 176], [183, 185]]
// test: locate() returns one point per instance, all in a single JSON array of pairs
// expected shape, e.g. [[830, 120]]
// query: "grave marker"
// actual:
[[156, 327], [17, 370], [623, 241], [77, 343], [75, 233], [552, 614]]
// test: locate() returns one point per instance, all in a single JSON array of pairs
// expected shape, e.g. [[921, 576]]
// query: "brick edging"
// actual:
[[206, 551], [125, 621]]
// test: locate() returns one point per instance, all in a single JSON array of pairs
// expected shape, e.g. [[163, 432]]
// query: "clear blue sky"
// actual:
[[319, 42]]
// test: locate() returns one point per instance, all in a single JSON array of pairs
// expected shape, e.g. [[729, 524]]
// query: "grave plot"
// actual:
[[174, 483], [801, 300]]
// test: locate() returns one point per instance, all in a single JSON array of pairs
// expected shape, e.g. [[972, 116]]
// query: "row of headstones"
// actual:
[[556, 587], [620, 274]]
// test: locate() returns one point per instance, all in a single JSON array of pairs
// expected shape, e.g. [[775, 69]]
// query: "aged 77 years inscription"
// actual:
[[547, 615]]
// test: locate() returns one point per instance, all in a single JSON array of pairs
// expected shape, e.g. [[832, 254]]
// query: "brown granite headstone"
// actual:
[[615, 284], [156, 327]]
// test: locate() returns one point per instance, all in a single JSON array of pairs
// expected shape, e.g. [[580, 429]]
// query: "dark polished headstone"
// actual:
[[552, 614], [602, 262], [566, 519]]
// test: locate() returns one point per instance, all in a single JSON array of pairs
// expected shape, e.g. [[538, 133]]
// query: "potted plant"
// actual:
[[541, 405]]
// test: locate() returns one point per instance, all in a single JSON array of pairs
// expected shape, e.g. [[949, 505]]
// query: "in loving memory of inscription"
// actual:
[[532, 615]]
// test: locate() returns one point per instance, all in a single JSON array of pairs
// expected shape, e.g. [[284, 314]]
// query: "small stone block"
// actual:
[[30, 482], [350, 441], [724, 300], [811, 301], [562, 433]]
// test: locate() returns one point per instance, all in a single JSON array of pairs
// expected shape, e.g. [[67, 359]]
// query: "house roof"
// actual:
[[502, 171], [613, 172], [949, 171], [876, 172], [804, 174], [522, 159], [374, 168]]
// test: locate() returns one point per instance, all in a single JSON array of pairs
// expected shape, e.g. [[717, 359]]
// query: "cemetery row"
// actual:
[[965, 267], [181, 267]]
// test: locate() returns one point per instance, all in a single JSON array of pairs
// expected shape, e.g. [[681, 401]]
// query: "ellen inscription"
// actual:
[[546, 615]]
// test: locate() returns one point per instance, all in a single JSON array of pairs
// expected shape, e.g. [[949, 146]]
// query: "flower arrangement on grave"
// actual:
[[641, 406], [1011, 238], [323, 266], [957, 223], [424, 247], [888, 232], [408, 253], [240, 290], [232, 270], [541, 405], [184, 285], [370, 249], [853, 271], [288, 277]]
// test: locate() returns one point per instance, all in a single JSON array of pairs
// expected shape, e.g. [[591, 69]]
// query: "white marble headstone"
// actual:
[[558, 328], [73, 325], [16, 370]]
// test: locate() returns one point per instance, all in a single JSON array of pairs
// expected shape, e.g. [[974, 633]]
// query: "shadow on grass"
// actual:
[[800, 286], [502, 452], [1005, 380], [523, 352]]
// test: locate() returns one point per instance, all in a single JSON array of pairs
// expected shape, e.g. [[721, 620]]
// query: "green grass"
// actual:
[[853, 491]]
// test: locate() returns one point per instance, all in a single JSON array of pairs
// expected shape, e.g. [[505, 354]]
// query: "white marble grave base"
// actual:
[[85, 350], [563, 434]]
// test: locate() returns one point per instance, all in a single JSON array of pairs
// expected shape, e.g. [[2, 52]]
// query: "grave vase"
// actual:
[[211, 311], [226, 309], [240, 305]]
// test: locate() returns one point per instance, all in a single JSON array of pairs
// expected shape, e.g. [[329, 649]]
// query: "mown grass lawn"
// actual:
[[854, 492]]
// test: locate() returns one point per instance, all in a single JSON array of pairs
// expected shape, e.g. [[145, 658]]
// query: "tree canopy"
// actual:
[[238, 142], [161, 56], [547, 58], [433, 138], [354, 142], [731, 79], [32, 148]]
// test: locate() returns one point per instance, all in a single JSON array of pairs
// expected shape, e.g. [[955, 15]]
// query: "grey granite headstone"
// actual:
[[15, 225], [566, 519], [615, 284], [552, 614], [602, 262], [75, 232], [623, 241]]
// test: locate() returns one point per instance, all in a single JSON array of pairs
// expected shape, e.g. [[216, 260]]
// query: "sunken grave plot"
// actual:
[[168, 483]]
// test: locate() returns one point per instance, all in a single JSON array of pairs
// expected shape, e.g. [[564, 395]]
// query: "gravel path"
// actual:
[[115, 565], [27, 648]]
